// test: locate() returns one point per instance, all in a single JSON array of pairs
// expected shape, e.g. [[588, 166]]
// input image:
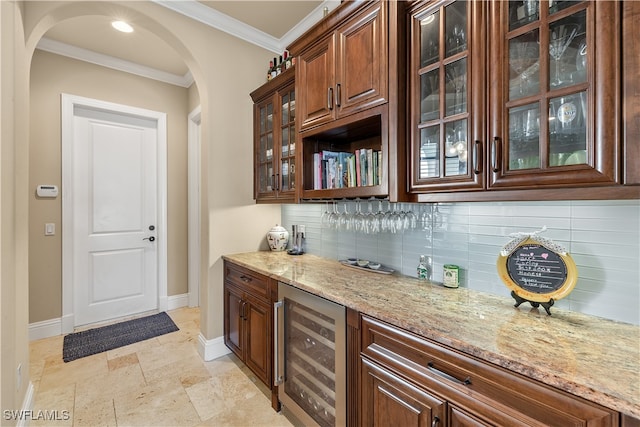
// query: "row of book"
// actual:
[[334, 169]]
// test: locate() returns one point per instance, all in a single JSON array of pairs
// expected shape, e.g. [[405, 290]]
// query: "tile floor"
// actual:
[[158, 382]]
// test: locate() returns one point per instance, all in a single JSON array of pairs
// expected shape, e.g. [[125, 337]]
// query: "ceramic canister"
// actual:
[[278, 238]]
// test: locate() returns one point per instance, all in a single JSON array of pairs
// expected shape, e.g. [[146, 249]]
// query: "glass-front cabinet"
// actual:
[[275, 140], [446, 82], [554, 92]]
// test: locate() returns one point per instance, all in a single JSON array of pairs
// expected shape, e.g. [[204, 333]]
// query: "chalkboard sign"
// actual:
[[536, 269], [536, 272]]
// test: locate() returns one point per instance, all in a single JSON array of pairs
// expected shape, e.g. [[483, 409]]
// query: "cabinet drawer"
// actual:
[[489, 392], [248, 280]]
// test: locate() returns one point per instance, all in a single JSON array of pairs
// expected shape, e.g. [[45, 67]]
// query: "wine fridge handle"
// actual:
[[277, 377]]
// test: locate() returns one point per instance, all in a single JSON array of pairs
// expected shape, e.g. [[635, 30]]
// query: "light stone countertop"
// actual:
[[590, 357]]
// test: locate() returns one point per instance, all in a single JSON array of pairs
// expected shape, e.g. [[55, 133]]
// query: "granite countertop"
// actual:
[[590, 357]]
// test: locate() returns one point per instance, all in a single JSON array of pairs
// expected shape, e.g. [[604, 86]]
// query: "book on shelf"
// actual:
[[339, 169]]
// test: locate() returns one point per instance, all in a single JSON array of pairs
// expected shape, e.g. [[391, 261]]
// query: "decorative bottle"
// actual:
[[424, 268], [269, 70]]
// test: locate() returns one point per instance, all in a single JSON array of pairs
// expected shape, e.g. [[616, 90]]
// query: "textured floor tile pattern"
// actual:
[[157, 382]]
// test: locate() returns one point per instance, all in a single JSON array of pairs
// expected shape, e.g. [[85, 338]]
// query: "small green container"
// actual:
[[451, 276]]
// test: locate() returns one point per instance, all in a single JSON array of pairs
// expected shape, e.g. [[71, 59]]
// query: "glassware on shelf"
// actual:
[[429, 39], [456, 77], [524, 53], [524, 137], [560, 36]]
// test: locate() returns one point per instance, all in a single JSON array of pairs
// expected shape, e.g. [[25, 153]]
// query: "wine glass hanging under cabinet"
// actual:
[[445, 92], [554, 107]]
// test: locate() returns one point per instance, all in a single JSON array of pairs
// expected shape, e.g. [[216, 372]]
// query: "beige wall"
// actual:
[[226, 70], [14, 164], [52, 75]]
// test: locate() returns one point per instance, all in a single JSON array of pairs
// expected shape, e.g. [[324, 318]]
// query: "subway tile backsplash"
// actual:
[[603, 237]]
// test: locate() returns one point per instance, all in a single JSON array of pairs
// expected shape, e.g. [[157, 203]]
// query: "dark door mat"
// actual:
[[98, 340]]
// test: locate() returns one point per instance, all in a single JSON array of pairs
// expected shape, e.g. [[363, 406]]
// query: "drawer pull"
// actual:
[[432, 368], [245, 279], [436, 421]]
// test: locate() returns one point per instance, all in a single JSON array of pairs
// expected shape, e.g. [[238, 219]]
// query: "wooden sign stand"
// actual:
[[537, 270]]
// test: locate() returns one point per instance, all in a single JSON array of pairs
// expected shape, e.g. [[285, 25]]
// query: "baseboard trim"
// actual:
[[45, 329], [27, 406], [177, 301], [211, 349], [64, 325]]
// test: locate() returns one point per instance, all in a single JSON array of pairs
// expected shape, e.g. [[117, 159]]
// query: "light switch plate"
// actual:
[[50, 229]]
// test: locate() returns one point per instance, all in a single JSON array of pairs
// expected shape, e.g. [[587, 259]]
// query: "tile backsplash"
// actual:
[[603, 237]]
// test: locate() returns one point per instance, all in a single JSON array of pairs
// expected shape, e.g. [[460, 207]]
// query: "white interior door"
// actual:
[[115, 215]]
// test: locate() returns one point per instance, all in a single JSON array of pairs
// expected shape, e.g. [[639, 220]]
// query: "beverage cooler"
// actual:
[[310, 357]]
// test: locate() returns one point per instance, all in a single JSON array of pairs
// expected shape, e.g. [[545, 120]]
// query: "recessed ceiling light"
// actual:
[[122, 26]]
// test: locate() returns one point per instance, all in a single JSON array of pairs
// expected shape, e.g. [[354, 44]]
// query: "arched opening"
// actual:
[[53, 74]]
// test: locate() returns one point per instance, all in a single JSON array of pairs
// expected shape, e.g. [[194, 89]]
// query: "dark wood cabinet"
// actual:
[[248, 321], [510, 102], [274, 116], [631, 91], [447, 95], [346, 71], [351, 103], [423, 383], [554, 94]]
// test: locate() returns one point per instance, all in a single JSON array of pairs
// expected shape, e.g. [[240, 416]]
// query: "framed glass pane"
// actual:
[[285, 110], [524, 65], [524, 137], [269, 124], [521, 12], [284, 173], [455, 28], [430, 90], [263, 119], [285, 142], [556, 6], [456, 87], [568, 130], [429, 153], [456, 148], [429, 39], [567, 65], [292, 106]]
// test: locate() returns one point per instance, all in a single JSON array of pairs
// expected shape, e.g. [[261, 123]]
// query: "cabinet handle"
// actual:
[[244, 314], [432, 368], [436, 421], [277, 377], [245, 279], [330, 98], [338, 94], [496, 154], [277, 182], [477, 158], [241, 309], [273, 182]]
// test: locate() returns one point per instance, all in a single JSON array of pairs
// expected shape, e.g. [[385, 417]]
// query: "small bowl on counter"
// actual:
[[363, 262], [374, 265]]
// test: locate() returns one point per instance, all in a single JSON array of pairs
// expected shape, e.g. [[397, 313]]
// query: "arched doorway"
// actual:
[[48, 17]]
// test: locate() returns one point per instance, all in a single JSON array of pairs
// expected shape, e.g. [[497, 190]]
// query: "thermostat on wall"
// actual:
[[47, 190]]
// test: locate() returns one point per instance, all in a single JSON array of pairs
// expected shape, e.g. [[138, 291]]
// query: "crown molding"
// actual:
[[218, 20], [59, 48]]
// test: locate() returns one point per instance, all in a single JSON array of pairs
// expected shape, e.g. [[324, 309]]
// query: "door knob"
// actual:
[[151, 239]]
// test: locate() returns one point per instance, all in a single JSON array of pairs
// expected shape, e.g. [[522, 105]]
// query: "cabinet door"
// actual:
[[446, 92], [554, 89], [258, 344], [362, 71], [388, 400], [233, 320], [265, 152], [287, 142], [316, 75]]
